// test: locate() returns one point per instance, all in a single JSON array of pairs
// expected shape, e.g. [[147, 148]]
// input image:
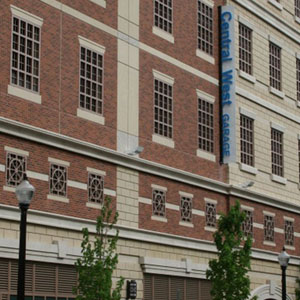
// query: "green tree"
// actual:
[[228, 272], [99, 259]]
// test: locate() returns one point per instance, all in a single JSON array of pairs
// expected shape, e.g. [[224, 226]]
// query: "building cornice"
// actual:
[[266, 15], [63, 222], [67, 143]]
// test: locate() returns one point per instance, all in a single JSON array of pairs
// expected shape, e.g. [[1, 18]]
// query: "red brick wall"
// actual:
[[38, 162], [59, 83], [185, 32]]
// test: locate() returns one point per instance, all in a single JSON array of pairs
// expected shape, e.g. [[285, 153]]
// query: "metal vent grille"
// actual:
[[67, 279], [45, 278], [192, 289], [161, 288], [3, 275], [177, 288], [205, 288]]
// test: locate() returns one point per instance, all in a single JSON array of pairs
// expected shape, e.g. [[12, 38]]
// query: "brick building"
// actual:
[[87, 84]]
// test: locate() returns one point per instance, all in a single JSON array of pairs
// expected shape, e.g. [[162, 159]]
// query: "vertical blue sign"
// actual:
[[228, 84]]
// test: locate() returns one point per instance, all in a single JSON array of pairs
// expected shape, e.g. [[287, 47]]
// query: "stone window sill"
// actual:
[[186, 224], [278, 179], [100, 2], [160, 219], [206, 155], [247, 76], [57, 198], [24, 94], [163, 34], [208, 228], [248, 169], [94, 205], [276, 92], [267, 243], [163, 140], [276, 4], [205, 56], [90, 116]]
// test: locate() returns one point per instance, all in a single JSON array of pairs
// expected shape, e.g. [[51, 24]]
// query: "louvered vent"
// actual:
[[177, 288], [13, 275], [67, 279], [4, 274], [192, 289], [205, 286], [4, 297], [161, 287], [28, 277], [148, 295], [45, 278]]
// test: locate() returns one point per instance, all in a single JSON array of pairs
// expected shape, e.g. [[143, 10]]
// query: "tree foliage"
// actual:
[[228, 272], [99, 259]]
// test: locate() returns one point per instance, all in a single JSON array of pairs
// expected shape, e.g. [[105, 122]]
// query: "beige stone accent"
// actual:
[[127, 197]]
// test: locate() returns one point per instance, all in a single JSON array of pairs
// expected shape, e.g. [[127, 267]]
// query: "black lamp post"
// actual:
[[283, 259], [24, 192]]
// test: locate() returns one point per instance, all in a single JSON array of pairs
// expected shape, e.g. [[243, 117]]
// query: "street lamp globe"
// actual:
[[24, 191], [283, 258]]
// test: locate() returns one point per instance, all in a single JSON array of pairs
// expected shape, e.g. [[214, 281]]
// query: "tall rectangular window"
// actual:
[[247, 225], [297, 8], [159, 203], [277, 152], [247, 142], [58, 180], [245, 49], [269, 228], [91, 80], [15, 168], [289, 232], [205, 125], [186, 209], [275, 66], [95, 188], [163, 15], [205, 28], [298, 78], [25, 55], [163, 108], [210, 214]]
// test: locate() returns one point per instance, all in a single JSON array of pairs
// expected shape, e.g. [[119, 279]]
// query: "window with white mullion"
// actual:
[[298, 78], [163, 109], [25, 54], [205, 28], [277, 152], [275, 66], [297, 8], [163, 15], [247, 143], [91, 80], [205, 125], [245, 49]]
